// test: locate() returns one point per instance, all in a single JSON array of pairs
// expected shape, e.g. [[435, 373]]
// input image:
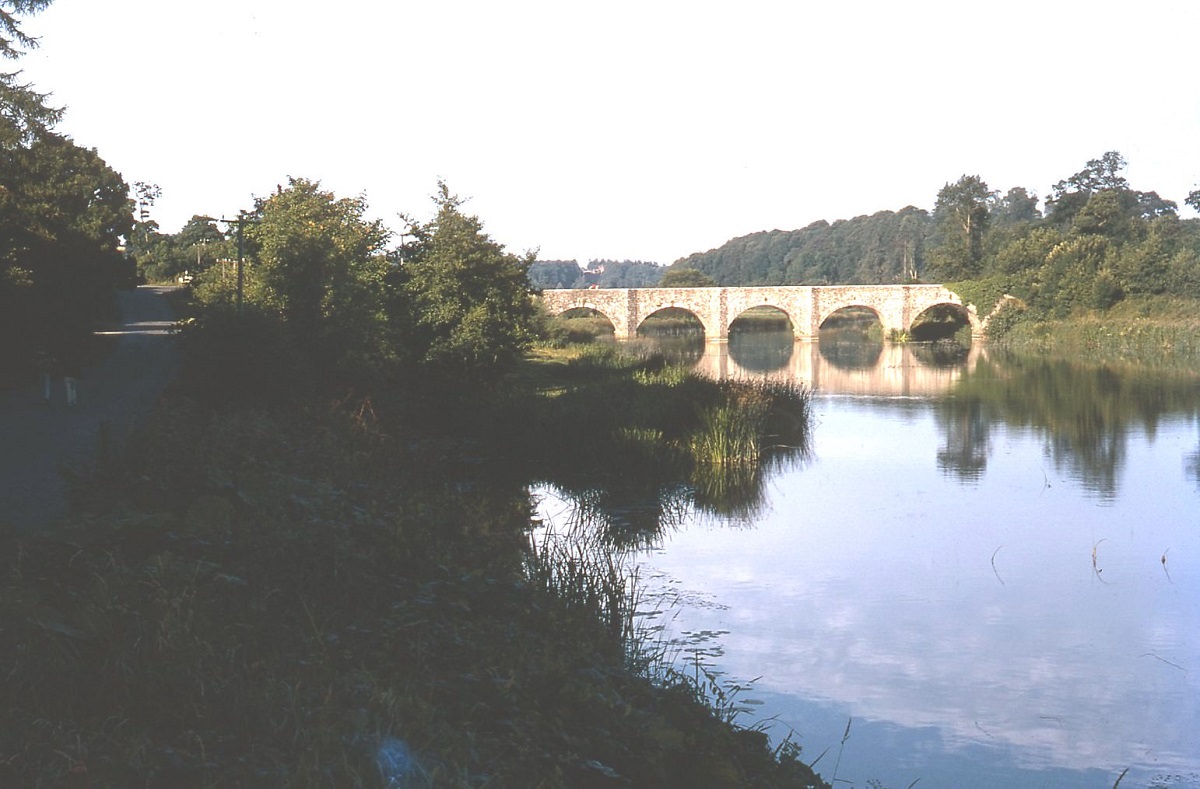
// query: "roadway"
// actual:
[[39, 439]]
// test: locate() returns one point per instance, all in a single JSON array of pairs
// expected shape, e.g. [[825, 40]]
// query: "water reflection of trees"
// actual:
[[633, 516], [637, 512], [634, 508], [1085, 412], [964, 453]]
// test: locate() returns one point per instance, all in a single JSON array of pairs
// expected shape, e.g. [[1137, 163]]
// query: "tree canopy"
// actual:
[[472, 300], [685, 278], [63, 214], [960, 218], [319, 260], [885, 247], [327, 303], [23, 111]]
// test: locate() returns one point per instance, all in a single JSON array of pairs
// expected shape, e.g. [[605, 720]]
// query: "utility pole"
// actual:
[[241, 221], [241, 252]]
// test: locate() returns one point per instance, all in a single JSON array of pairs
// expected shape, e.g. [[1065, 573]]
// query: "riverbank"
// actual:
[[336, 595], [1162, 328]]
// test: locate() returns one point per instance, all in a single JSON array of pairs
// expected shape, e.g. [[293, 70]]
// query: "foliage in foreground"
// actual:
[[312, 598]]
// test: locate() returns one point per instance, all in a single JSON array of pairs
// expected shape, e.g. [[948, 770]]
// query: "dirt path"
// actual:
[[38, 439]]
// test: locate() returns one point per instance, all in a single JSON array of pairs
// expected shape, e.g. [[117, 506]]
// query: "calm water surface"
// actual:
[[987, 574]]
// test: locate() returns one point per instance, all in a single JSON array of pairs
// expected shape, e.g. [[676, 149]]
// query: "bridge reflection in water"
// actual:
[[896, 370]]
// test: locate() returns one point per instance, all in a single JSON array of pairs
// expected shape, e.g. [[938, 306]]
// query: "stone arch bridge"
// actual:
[[807, 306]]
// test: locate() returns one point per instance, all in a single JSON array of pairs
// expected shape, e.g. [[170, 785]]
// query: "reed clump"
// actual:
[[751, 421]]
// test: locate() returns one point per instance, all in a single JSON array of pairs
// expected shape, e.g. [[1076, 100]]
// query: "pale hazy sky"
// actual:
[[642, 130]]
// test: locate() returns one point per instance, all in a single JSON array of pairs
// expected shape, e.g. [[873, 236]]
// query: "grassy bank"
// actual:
[[340, 595], [1147, 329]]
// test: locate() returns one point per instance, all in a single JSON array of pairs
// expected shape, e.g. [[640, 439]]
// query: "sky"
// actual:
[[644, 130]]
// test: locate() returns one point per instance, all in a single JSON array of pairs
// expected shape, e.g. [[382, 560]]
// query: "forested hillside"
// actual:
[[1090, 243], [875, 248]]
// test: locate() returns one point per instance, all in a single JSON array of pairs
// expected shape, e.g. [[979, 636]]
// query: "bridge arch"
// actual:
[[943, 320], [679, 314], [822, 319], [704, 303], [591, 319], [760, 314]]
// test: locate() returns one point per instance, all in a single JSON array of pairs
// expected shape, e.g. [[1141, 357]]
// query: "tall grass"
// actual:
[[752, 420], [728, 434], [589, 576]]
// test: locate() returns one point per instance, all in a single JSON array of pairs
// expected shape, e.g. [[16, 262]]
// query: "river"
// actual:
[[985, 573]]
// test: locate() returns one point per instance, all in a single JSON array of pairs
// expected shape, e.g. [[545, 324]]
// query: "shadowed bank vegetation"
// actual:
[[278, 599]]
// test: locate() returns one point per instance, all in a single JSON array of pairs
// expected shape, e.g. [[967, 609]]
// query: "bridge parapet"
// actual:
[[807, 306]]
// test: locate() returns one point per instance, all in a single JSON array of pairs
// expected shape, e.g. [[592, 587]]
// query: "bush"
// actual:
[[234, 360]]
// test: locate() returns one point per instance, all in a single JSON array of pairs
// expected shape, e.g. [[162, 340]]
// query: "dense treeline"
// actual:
[[1095, 241], [884, 247]]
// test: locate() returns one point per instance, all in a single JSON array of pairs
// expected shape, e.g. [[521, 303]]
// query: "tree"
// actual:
[[62, 194], [680, 277], [1070, 195], [1099, 174], [960, 217], [1150, 205], [200, 230], [322, 270], [1017, 206], [1193, 199], [1105, 213], [473, 308], [63, 213], [23, 111]]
